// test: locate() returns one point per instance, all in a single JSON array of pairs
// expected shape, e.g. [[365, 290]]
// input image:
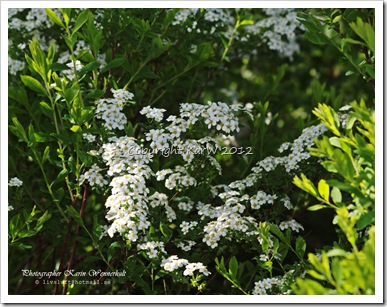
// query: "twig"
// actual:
[[75, 242]]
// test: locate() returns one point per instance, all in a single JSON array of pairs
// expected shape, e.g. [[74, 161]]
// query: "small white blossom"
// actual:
[[15, 182]]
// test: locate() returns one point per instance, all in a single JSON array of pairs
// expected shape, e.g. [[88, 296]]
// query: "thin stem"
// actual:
[[187, 69], [237, 24], [48, 185], [135, 74], [61, 150]]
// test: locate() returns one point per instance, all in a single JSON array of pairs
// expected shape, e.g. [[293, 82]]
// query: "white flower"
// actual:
[[15, 182], [292, 224]]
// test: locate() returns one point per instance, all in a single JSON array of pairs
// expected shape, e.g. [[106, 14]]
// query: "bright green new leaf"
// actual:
[[317, 207], [309, 287], [54, 17], [323, 189], [306, 185], [75, 128], [33, 84], [336, 195]]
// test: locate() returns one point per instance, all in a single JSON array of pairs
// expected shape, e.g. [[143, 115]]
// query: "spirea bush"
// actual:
[[174, 150]]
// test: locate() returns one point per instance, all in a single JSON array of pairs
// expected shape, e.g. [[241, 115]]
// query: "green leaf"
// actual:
[[330, 166], [156, 48], [323, 189], [58, 67], [337, 271], [316, 38], [75, 128], [44, 218], [18, 130], [46, 109], [85, 56], [275, 230], [300, 246], [309, 287], [166, 231], [317, 207], [46, 154], [111, 249], [114, 63], [95, 94], [54, 17], [336, 195], [70, 94], [328, 117], [21, 245], [353, 41], [335, 141], [365, 220], [58, 195], [46, 106], [336, 252], [31, 135], [204, 51], [82, 18], [41, 137], [60, 178], [50, 54], [316, 275], [33, 84], [74, 214], [233, 267], [246, 22], [364, 31], [66, 12], [306, 185], [89, 67]]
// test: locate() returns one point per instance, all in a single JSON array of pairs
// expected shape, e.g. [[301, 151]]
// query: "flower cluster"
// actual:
[[298, 152], [280, 24], [178, 177], [292, 224], [278, 30], [73, 68], [186, 246], [93, 176], [216, 17], [152, 248], [15, 182], [187, 226], [173, 263], [261, 198], [14, 66], [89, 137], [109, 110], [35, 18], [228, 216], [229, 219], [265, 285], [153, 113]]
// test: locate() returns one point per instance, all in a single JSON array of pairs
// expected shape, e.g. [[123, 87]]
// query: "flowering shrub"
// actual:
[[156, 152]]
